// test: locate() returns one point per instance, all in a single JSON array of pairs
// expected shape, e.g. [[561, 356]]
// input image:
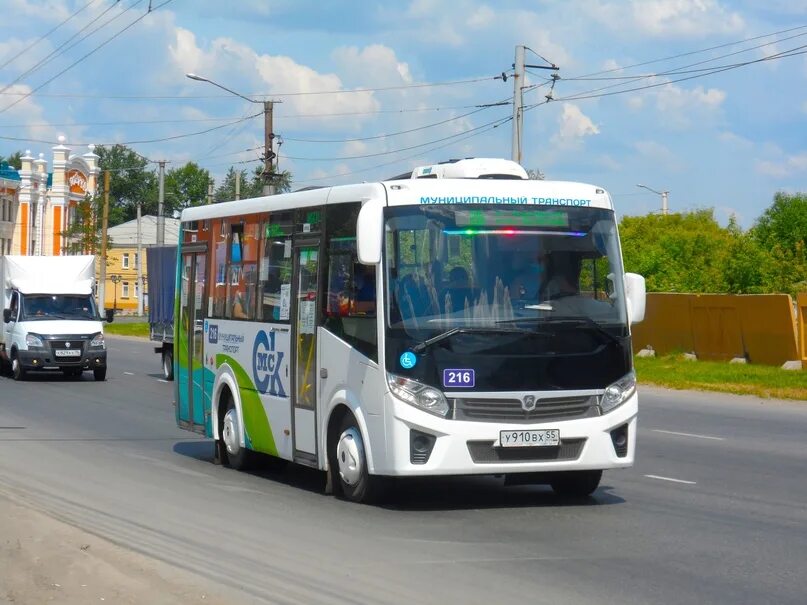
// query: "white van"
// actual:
[[50, 320]]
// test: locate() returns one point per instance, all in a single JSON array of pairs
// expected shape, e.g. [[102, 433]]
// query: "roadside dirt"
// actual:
[[43, 560]]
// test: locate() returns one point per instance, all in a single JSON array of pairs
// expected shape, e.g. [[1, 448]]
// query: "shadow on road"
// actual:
[[422, 494]]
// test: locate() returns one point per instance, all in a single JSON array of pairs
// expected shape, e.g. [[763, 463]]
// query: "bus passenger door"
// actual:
[[190, 348], [305, 313]]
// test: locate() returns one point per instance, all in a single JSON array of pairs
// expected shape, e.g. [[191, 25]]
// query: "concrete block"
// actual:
[[738, 360], [648, 351], [690, 357], [792, 365]]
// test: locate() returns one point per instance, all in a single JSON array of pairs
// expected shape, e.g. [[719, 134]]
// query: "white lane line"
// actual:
[[161, 380], [129, 373], [670, 479], [689, 435]]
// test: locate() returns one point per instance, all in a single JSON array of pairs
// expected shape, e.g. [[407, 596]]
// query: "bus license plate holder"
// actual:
[[530, 438]]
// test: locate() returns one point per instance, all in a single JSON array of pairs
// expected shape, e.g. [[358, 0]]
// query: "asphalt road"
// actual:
[[715, 510]]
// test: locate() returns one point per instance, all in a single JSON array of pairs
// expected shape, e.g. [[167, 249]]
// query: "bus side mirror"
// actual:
[[110, 315], [6, 315], [636, 297], [370, 232]]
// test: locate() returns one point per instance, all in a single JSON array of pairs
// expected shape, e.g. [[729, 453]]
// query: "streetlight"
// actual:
[[115, 279], [268, 135], [664, 197]]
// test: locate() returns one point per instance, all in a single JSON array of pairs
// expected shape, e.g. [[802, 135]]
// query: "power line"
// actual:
[[43, 36], [386, 135], [58, 50], [142, 141], [382, 153], [80, 59]]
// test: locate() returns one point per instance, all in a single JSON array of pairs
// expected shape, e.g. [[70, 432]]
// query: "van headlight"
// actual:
[[618, 393], [32, 340], [97, 341], [419, 395]]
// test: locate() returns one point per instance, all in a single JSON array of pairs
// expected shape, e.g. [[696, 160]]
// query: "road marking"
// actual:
[[129, 373], [670, 479], [689, 435], [161, 380]]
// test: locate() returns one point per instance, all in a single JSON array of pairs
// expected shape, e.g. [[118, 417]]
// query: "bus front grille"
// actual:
[[511, 410], [484, 452]]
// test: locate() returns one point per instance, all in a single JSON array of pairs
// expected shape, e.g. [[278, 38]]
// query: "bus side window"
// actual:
[[275, 273]]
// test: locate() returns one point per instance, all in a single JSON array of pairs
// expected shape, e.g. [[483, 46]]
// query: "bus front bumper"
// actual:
[[473, 448]]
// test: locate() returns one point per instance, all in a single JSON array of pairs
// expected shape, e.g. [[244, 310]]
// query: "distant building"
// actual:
[[38, 206], [9, 201], [121, 289]]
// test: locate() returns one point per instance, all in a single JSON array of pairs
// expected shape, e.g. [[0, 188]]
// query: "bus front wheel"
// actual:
[[238, 457], [576, 484], [168, 363], [349, 464]]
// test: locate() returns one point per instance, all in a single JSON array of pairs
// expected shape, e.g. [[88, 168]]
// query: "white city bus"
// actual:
[[463, 320]]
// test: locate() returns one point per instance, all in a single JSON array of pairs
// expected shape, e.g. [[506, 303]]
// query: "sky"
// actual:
[[706, 99]]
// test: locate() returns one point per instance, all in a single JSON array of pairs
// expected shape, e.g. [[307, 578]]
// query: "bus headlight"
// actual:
[[32, 340], [97, 341], [419, 395], [618, 393]]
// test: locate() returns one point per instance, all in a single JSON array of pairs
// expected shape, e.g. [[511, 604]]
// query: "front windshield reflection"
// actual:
[[455, 266], [58, 306]]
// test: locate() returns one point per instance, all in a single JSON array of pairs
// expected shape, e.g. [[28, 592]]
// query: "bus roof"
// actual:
[[493, 192]]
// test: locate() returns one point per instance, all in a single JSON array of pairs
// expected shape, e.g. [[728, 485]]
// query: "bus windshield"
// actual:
[[473, 267], [532, 297]]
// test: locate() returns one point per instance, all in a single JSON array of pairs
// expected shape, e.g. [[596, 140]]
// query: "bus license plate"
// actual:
[[533, 438], [68, 353]]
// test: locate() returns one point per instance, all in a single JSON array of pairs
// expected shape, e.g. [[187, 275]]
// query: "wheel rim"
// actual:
[[231, 432], [350, 456], [15, 366], [166, 366]]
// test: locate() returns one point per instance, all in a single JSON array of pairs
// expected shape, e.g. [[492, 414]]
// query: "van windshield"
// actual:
[[58, 306]]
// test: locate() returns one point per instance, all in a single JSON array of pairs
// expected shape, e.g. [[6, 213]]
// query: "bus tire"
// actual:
[[575, 484], [351, 477], [168, 363], [99, 374], [237, 457]]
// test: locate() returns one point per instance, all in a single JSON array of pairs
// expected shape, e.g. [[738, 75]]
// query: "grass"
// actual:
[[742, 379], [139, 328]]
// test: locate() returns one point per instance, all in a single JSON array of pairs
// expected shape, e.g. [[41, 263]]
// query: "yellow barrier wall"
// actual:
[[759, 327], [802, 308]]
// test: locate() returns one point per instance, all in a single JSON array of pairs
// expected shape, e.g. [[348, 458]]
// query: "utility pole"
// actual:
[[161, 206], [139, 263], [665, 208], [104, 224], [238, 184], [518, 103], [268, 153], [519, 81], [210, 191]]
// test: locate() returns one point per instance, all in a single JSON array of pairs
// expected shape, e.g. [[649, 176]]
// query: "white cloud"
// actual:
[[667, 18], [481, 17], [656, 153], [788, 165], [735, 140], [574, 125], [375, 63], [674, 98]]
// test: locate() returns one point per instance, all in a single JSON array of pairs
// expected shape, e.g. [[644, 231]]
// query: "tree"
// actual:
[[677, 252], [131, 183], [185, 186], [784, 222], [250, 187], [14, 160], [83, 236], [536, 175]]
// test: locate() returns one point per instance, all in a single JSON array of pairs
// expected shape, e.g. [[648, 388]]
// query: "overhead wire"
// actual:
[[48, 33], [86, 55], [60, 50]]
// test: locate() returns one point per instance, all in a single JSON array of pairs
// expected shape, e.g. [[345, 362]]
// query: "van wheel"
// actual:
[[348, 462], [238, 457], [168, 363], [576, 484], [17, 370], [99, 374]]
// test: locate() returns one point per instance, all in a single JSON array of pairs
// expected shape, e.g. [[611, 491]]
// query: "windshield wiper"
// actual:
[[422, 346], [572, 321]]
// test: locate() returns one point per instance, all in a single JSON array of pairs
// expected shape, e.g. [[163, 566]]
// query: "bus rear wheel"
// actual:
[[576, 484], [237, 457], [348, 461]]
